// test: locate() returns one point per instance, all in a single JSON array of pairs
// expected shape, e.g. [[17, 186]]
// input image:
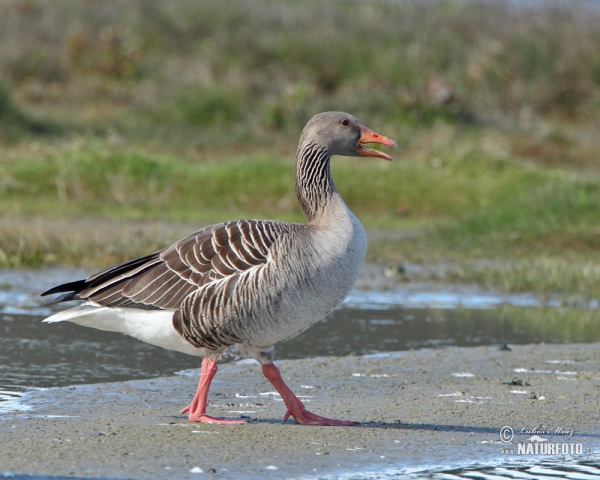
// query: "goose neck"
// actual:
[[314, 185]]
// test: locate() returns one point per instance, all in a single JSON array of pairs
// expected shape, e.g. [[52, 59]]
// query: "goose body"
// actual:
[[299, 285], [241, 287]]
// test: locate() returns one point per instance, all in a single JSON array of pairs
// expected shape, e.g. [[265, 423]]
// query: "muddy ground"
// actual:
[[416, 409]]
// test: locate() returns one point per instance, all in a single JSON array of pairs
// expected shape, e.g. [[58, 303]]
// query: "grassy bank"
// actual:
[[246, 67], [428, 182], [139, 115], [518, 227]]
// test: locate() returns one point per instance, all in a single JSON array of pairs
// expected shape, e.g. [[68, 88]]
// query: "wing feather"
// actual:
[[165, 278]]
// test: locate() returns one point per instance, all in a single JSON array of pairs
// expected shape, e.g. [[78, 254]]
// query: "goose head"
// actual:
[[342, 134]]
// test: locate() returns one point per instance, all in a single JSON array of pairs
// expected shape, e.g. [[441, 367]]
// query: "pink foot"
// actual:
[[295, 407], [197, 409], [203, 418], [304, 417]]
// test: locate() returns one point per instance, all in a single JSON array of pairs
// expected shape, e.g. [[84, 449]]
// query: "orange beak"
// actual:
[[369, 136]]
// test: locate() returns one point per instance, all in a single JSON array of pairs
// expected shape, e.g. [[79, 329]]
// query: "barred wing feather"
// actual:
[[165, 278]]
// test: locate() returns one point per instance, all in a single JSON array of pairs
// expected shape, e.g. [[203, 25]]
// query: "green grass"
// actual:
[[166, 112], [456, 178], [460, 202]]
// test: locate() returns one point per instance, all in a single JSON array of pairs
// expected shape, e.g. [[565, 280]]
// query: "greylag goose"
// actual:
[[241, 287]]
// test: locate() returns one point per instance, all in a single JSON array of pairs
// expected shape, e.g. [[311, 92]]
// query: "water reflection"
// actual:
[[33, 354], [352, 331]]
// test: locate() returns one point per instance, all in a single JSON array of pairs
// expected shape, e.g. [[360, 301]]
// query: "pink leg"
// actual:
[[295, 407], [197, 408]]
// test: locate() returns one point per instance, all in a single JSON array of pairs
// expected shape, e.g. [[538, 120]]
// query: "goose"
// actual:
[[241, 287]]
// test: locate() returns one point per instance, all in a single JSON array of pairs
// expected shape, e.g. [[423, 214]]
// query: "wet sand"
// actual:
[[417, 409]]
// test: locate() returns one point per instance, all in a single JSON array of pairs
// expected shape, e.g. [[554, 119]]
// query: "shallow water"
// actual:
[[572, 469], [38, 355]]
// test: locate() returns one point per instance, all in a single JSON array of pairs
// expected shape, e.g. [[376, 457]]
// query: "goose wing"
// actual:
[[162, 280]]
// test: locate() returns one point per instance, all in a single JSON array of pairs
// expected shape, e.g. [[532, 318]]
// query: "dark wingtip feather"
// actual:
[[67, 287], [74, 288], [63, 298]]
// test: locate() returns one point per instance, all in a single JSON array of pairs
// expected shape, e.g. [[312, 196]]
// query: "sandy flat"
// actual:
[[417, 409]]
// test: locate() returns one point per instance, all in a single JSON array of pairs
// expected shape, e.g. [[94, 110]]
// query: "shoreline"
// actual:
[[418, 409]]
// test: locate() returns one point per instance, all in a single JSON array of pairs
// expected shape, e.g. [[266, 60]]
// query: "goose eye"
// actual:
[[345, 122]]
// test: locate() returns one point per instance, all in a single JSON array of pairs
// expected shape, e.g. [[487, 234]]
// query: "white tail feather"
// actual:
[[150, 326], [71, 313]]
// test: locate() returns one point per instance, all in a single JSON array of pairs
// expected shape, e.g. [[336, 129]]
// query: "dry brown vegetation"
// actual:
[[144, 66], [188, 111]]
